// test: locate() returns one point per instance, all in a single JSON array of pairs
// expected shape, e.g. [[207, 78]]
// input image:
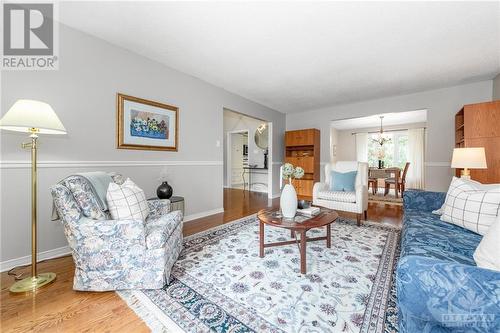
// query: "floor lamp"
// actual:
[[36, 118]]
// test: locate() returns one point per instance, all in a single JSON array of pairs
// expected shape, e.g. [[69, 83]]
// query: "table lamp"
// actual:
[[32, 117], [468, 158]]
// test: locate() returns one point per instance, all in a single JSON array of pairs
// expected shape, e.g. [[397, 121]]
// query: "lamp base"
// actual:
[[465, 173], [33, 283]]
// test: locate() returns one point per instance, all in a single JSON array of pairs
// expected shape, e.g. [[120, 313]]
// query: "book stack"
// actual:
[[311, 211]]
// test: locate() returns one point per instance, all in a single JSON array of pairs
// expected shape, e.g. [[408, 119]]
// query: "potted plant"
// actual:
[[288, 200]]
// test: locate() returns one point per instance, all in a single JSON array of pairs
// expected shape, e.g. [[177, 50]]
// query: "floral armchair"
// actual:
[[116, 254]]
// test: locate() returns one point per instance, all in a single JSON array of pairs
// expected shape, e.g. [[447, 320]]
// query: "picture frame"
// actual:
[[146, 125]]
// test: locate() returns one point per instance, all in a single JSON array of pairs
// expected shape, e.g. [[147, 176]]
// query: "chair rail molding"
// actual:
[[22, 164]]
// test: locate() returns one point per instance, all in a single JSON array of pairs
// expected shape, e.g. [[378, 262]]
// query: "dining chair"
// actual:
[[400, 186], [374, 184]]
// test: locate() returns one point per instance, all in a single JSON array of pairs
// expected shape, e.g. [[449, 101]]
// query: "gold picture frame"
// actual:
[[146, 125]]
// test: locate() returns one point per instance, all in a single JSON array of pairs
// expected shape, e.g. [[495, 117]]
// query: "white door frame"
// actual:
[[270, 160], [228, 162]]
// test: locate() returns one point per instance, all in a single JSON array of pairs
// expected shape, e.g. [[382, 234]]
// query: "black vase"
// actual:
[[380, 164], [164, 191]]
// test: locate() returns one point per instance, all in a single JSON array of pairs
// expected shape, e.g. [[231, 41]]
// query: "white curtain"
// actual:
[[362, 147], [416, 151]]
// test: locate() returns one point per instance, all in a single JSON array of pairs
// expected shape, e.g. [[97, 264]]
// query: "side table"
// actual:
[[176, 203]]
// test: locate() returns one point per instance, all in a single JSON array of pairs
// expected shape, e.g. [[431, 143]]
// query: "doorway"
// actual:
[[247, 153], [237, 159]]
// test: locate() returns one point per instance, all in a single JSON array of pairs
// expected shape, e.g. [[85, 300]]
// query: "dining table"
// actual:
[[383, 173]]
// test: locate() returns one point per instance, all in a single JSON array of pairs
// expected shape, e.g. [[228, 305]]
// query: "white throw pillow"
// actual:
[[487, 254], [127, 201], [471, 205], [440, 210]]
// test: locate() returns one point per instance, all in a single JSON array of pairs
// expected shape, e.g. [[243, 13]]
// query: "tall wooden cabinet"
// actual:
[[478, 125], [302, 149]]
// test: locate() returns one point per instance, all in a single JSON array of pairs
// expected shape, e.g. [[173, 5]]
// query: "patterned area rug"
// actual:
[[220, 283], [389, 199]]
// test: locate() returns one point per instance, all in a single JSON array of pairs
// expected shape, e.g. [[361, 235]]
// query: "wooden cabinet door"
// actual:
[[305, 162], [491, 175], [300, 138], [307, 187], [303, 187], [297, 184], [482, 120]]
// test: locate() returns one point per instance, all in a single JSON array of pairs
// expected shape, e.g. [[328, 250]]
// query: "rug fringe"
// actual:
[[143, 312]]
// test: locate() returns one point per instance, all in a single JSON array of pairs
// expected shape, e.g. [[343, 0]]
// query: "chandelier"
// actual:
[[382, 138]]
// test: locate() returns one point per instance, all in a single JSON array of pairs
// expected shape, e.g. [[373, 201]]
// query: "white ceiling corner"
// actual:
[[296, 56]]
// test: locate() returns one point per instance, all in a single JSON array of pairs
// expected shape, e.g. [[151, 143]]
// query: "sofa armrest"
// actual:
[[437, 294], [159, 207], [423, 200], [89, 235], [362, 196], [159, 230], [317, 188], [106, 245]]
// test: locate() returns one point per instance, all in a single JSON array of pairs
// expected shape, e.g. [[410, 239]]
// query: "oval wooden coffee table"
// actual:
[[300, 224]]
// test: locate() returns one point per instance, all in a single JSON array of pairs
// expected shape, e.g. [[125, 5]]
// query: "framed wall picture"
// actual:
[[146, 125]]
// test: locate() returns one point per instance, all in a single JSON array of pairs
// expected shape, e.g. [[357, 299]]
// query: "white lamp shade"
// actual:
[[470, 158], [27, 114]]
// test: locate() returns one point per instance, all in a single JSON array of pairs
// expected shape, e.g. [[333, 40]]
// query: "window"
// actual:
[[393, 153]]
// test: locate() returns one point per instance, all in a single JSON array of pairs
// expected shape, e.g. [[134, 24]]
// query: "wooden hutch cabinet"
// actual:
[[478, 125], [302, 149]]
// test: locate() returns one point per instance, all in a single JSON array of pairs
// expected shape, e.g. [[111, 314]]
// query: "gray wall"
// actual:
[[496, 88], [83, 93], [441, 105]]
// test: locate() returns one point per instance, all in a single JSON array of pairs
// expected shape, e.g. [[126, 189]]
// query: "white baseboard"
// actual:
[[62, 251], [50, 254], [195, 216]]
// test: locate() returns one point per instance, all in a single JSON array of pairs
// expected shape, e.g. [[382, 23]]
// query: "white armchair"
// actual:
[[354, 202]]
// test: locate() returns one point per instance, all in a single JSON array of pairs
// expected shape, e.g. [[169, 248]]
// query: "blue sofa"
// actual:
[[439, 286]]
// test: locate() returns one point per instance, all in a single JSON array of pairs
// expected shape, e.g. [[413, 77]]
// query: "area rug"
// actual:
[[220, 284], [389, 199]]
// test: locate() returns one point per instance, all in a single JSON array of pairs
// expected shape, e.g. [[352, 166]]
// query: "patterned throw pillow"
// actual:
[[471, 205], [81, 190], [127, 201]]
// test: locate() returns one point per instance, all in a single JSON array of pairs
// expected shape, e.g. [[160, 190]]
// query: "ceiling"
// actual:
[[296, 56], [390, 119]]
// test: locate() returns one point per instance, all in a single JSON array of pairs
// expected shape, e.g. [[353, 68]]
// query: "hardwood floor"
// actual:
[[58, 308]]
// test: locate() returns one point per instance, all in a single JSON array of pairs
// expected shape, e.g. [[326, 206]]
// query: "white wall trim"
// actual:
[[90, 164], [438, 164], [26, 260], [195, 216], [275, 196], [276, 163]]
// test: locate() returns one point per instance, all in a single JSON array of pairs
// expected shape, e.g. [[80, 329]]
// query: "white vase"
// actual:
[[288, 201]]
